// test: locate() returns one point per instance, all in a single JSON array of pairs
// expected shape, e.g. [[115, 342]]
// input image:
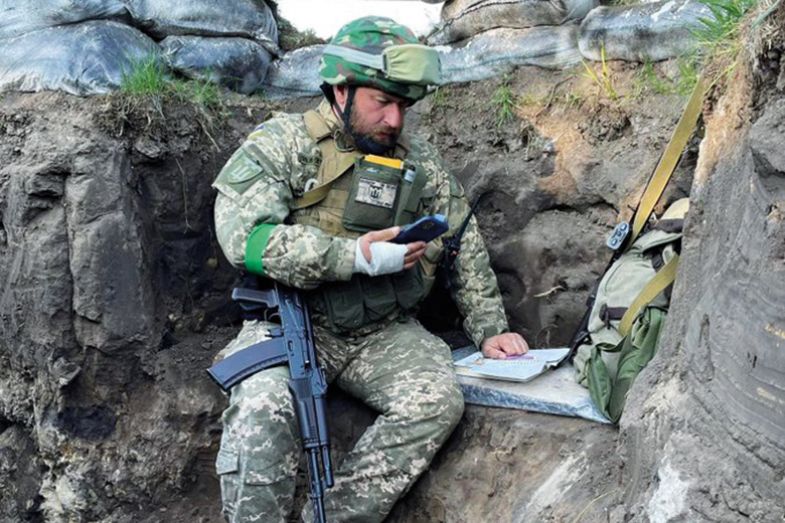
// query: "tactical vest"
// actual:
[[354, 194]]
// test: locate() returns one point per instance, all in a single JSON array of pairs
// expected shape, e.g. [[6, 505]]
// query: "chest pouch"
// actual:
[[374, 193]]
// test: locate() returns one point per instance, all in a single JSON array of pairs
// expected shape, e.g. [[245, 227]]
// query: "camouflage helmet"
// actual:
[[378, 52]]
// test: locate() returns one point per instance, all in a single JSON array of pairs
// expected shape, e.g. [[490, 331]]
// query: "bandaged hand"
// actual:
[[375, 254]]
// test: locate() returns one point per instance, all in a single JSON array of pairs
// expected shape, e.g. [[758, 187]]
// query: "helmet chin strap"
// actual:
[[346, 114]]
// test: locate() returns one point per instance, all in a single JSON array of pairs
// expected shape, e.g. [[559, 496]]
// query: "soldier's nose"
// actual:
[[393, 116]]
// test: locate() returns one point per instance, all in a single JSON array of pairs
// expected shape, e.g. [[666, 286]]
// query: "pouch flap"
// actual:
[[227, 462]]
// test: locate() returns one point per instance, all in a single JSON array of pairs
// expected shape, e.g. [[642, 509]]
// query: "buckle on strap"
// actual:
[[617, 237]]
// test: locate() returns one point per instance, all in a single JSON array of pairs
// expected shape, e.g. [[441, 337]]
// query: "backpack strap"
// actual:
[[664, 278], [669, 159]]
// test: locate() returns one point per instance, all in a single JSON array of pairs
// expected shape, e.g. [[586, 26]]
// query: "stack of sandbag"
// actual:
[[488, 37], [72, 46], [479, 39], [494, 52], [644, 32], [295, 74], [231, 42], [87, 46], [462, 19], [487, 54]]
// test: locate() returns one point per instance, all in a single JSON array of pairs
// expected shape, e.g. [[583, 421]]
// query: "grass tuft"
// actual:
[[148, 87], [503, 100], [439, 97], [648, 79], [203, 93], [603, 79], [147, 76], [719, 37]]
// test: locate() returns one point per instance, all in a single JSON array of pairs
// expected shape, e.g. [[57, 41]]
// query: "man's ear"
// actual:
[[341, 92]]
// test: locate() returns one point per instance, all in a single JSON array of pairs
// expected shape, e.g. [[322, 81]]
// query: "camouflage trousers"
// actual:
[[402, 371]]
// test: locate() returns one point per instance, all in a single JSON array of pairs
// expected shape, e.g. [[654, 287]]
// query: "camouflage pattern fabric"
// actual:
[[402, 371], [272, 167], [370, 34]]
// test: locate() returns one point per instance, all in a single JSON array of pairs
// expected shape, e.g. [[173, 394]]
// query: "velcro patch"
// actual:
[[376, 193]]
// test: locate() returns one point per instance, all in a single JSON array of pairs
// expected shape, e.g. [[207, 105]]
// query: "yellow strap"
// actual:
[[656, 285], [669, 159]]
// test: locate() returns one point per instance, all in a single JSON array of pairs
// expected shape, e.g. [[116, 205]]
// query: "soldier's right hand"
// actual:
[[376, 255]]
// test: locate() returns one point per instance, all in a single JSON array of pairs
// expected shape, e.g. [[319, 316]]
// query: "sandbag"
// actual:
[[238, 63], [81, 59], [498, 50], [463, 19], [486, 55], [246, 18], [644, 32], [18, 17], [295, 74]]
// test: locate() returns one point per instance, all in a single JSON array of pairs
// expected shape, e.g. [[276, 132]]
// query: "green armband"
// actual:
[[254, 248]]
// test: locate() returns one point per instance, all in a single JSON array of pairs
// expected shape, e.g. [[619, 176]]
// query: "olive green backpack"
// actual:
[[629, 312]]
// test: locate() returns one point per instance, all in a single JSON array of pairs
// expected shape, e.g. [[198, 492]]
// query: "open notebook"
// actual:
[[520, 368]]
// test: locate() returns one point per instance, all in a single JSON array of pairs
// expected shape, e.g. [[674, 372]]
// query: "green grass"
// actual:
[[295, 40], [719, 38], [289, 38], [503, 101], [603, 79], [572, 100], [649, 80], [439, 97], [203, 93], [146, 76], [725, 24]]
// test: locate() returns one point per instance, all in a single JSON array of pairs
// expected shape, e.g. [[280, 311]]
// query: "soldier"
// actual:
[[311, 200]]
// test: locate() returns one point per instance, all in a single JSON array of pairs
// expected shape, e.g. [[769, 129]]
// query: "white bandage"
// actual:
[[386, 258]]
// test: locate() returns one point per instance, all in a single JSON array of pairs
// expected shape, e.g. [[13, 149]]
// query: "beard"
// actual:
[[369, 141]]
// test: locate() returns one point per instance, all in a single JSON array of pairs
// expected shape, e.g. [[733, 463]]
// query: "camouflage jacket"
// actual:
[[263, 177]]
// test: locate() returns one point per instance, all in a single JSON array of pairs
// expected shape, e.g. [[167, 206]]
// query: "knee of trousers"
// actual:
[[257, 461], [453, 406], [437, 400]]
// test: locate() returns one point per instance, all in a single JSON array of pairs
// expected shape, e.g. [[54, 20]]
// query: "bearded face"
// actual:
[[375, 118]]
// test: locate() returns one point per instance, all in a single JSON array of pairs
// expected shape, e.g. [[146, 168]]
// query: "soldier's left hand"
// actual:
[[503, 345]]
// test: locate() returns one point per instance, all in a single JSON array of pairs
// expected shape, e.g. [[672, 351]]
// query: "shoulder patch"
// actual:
[[239, 173]]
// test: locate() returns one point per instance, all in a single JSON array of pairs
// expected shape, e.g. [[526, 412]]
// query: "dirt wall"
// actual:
[[704, 431], [113, 302]]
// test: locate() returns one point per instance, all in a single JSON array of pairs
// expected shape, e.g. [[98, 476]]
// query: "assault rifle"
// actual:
[[292, 343]]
